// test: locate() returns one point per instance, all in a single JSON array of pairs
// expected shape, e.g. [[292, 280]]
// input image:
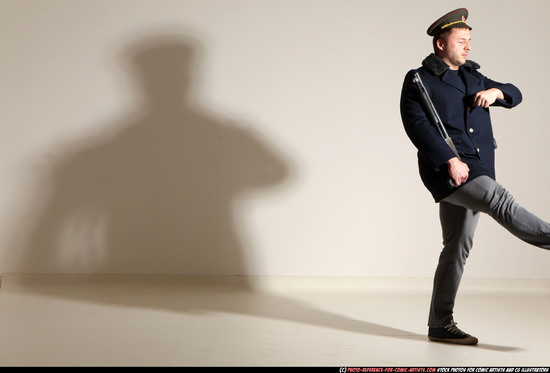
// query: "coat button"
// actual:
[[471, 130]]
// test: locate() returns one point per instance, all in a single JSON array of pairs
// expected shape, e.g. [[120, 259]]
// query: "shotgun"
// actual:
[[436, 120]]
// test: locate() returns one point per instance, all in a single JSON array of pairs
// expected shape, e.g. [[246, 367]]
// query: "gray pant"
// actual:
[[459, 214]]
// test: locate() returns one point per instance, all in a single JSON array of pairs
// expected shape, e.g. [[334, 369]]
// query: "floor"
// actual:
[[125, 320]]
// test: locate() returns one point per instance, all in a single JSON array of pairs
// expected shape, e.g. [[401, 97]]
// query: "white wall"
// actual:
[[285, 155]]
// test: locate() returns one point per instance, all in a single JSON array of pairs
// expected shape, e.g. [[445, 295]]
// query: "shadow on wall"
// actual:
[[157, 193]]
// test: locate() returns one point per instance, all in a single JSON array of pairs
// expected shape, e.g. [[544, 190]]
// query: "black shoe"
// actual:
[[451, 334]]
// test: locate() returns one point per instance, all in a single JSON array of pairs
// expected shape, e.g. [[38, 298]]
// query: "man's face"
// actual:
[[455, 51]]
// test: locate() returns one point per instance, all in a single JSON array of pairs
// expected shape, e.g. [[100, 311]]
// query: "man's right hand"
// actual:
[[458, 170]]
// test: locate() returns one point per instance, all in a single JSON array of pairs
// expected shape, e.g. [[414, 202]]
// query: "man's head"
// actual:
[[451, 37], [453, 46]]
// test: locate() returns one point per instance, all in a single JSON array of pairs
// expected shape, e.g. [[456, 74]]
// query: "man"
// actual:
[[462, 96]]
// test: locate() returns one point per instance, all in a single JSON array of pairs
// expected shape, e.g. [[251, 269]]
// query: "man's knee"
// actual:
[[456, 251]]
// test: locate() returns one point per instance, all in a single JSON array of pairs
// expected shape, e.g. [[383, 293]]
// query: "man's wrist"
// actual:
[[500, 94], [453, 160]]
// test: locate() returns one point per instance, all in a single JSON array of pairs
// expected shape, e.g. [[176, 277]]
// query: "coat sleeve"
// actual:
[[512, 95], [418, 127]]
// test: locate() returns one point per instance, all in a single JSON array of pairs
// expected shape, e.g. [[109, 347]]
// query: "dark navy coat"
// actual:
[[469, 127]]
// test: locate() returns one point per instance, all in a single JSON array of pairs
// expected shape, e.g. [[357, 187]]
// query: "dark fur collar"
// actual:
[[436, 65]]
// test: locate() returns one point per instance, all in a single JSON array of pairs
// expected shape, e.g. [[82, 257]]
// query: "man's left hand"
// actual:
[[488, 97]]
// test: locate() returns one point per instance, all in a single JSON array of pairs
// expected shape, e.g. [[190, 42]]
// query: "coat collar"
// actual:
[[437, 66]]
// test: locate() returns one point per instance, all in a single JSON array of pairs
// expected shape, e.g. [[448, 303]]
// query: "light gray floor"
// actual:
[[182, 321]]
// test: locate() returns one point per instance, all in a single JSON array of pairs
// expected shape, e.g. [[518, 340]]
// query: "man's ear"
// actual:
[[440, 44]]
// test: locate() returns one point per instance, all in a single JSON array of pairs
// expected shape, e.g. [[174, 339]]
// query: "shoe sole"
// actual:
[[470, 341]]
